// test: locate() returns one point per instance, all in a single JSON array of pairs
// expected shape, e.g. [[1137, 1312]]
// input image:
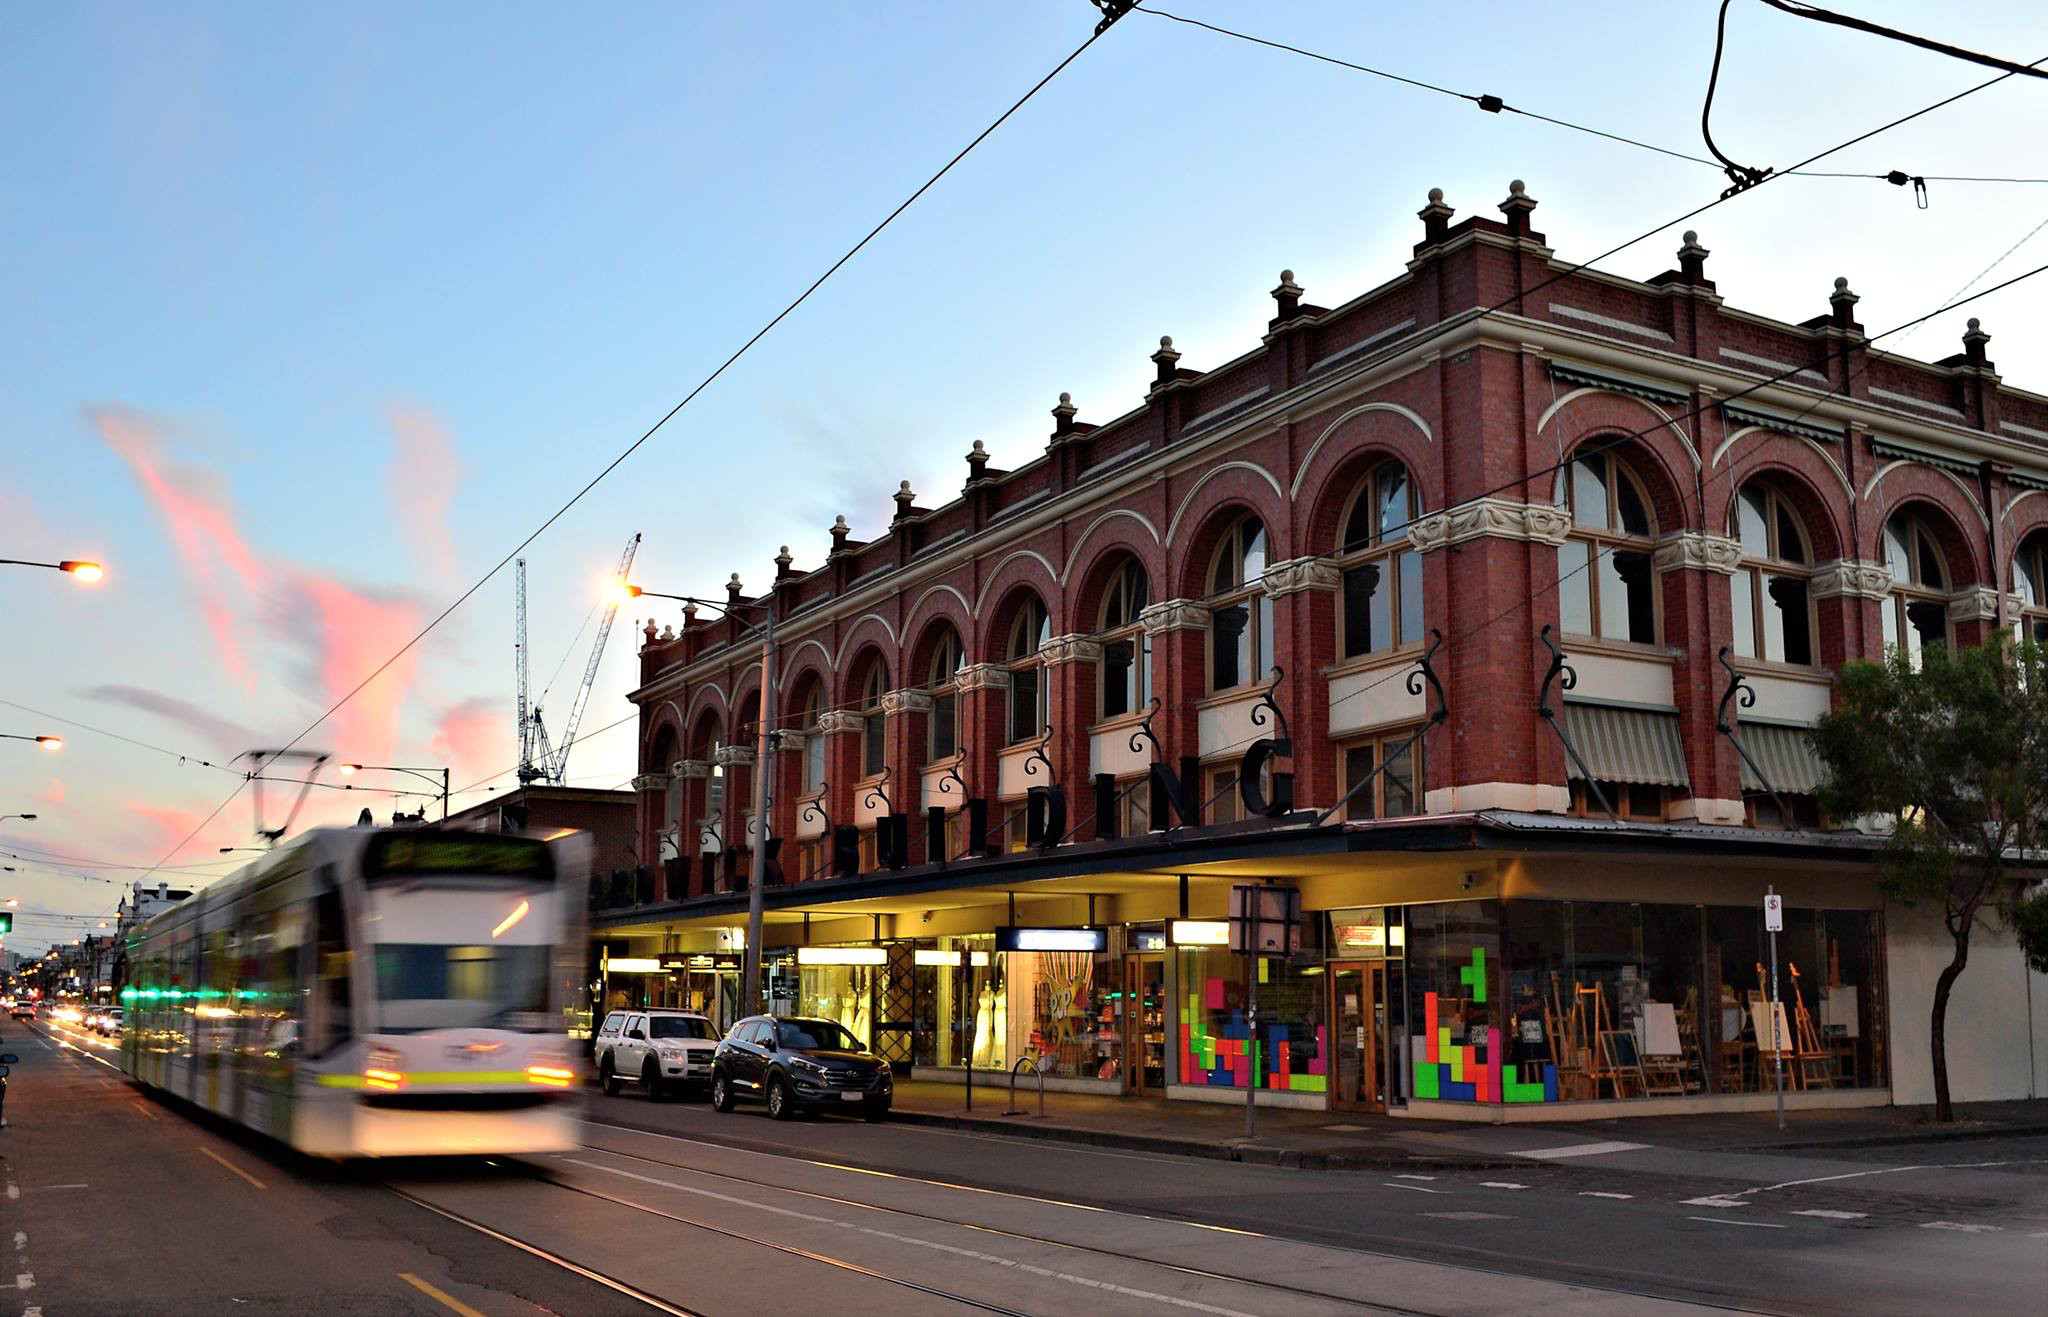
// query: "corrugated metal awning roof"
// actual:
[[1786, 755], [1627, 745]]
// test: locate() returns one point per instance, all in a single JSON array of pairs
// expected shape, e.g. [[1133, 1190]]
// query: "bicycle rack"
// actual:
[[1014, 1109]]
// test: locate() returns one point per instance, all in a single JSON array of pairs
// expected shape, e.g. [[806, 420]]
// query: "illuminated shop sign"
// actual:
[[1010, 938], [841, 956], [1199, 932]]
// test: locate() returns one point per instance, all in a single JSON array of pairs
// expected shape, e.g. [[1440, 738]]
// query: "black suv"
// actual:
[[793, 1062]]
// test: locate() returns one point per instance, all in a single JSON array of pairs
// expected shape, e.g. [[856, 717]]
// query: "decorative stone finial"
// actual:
[[977, 462], [1165, 360], [1063, 416], [782, 562], [689, 617], [648, 631], [733, 588], [1288, 295], [1692, 258], [1974, 339], [1844, 302], [1517, 208], [904, 499], [1435, 217], [840, 532]]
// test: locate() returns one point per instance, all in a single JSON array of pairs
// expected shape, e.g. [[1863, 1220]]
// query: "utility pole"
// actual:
[[757, 870]]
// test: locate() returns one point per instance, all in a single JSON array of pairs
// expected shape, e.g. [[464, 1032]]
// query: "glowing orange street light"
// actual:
[[88, 572], [47, 742]]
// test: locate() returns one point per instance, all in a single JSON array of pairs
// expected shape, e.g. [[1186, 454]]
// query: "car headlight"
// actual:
[[807, 1065]]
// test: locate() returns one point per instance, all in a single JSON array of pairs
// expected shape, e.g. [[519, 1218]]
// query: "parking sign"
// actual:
[[1774, 913]]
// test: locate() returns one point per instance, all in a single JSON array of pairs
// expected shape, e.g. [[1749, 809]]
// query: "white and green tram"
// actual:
[[367, 992]]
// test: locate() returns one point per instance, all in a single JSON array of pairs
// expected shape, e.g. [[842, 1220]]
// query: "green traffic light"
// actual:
[[6, 922]]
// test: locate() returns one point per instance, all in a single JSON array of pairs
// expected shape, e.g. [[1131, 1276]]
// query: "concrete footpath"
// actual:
[[1325, 1140]]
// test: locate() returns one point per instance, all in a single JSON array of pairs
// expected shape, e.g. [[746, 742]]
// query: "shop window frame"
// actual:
[[1236, 568], [1030, 691], [1371, 804], [1372, 547], [942, 730], [1914, 554], [1776, 550], [1607, 544], [1117, 627]]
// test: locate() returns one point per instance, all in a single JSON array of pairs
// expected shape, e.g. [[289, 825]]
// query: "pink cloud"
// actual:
[[345, 634], [166, 826], [475, 736], [51, 795], [423, 475], [196, 512]]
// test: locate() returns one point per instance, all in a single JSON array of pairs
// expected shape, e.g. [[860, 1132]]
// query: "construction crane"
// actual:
[[539, 759]]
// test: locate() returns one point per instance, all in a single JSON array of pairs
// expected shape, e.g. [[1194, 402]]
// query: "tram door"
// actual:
[[1145, 1024], [1355, 991]]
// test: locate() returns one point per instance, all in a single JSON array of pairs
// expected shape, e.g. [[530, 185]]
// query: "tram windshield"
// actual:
[[461, 958]]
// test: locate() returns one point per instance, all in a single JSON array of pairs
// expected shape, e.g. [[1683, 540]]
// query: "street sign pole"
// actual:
[[1774, 922], [1251, 1088]]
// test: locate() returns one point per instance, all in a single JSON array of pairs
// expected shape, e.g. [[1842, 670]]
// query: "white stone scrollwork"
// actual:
[[689, 768], [834, 721], [1299, 574], [1490, 517], [907, 700], [981, 677], [787, 742], [1852, 578], [651, 782], [1979, 603], [1173, 615], [1070, 649], [1690, 550], [733, 755]]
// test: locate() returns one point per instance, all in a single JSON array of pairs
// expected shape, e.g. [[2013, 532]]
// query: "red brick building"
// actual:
[[1336, 565]]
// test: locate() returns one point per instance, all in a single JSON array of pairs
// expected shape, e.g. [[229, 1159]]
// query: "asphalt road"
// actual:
[[119, 1203]]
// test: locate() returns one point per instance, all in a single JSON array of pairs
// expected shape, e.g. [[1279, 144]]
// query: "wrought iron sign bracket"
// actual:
[[1744, 694], [1424, 672], [1565, 677]]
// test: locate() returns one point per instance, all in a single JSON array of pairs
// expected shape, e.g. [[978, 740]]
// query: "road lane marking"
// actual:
[[1416, 1188], [1581, 1150], [1595, 1193], [1715, 1200], [231, 1166], [1470, 1216], [438, 1295], [1415, 1177], [80, 1185], [1831, 1215], [1968, 1228], [1501, 1184], [1727, 1221], [1894, 1170]]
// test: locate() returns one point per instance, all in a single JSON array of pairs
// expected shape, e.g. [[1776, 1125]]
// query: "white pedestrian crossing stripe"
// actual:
[[1581, 1150]]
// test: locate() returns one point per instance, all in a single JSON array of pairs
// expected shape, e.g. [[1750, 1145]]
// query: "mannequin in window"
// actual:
[[985, 1027]]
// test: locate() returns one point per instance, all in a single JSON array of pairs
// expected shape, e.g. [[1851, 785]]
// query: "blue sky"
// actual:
[[312, 313]]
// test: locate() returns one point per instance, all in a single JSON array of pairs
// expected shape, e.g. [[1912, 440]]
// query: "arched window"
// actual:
[[1605, 584], [1126, 649], [814, 740], [1028, 634], [1773, 613], [1240, 615], [1916, 614], [2030, 578], [1382, 575], [874, 727], [947, 660]]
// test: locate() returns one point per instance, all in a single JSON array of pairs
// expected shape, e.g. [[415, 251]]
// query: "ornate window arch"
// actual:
[[1772, 597], [948, 657], [1030, 629], [1382, 598], [1126, 649], [815, 746], [1240, 615], [2030, 579], [1916, 612], [1606, 586]]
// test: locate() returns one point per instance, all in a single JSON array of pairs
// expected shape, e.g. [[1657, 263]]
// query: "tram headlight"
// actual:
[[381, 1070]]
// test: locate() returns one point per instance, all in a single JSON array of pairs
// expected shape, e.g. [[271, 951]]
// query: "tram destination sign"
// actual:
[[410, 854]]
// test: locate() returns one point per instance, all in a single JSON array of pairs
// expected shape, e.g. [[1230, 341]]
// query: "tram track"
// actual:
[[1183, 1269]]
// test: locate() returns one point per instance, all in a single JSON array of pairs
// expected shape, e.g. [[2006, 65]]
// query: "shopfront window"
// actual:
[[1217, 1048], [970, 1012], [843, 993], [1064, 1005]]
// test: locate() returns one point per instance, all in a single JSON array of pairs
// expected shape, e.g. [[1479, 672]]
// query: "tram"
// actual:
[[366, 992]]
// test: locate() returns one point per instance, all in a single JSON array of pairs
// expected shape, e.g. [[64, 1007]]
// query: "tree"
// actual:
[[1951, 754]]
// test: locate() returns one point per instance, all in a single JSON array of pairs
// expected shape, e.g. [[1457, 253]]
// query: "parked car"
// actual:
[[660, 1049], [794, 1063]]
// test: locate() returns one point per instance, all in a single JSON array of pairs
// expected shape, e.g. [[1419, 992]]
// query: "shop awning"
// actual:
[[1626, 745], [1786, 755]]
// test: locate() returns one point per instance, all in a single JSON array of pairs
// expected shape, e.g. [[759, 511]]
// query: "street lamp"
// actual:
[[430, 774], [88, 572], [5, 817], [757, 868], [52, 743], [229, 850]]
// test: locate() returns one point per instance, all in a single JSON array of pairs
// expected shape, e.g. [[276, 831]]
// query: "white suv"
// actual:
[[658, 1048]]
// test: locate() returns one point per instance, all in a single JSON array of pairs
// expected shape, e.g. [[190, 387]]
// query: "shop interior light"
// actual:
[[633, 965], [1199, 932], [1052, 939], [924, 956], [839, 956]]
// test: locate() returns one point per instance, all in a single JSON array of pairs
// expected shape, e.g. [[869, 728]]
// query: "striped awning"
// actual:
[[1626, 745], [1786, 755]]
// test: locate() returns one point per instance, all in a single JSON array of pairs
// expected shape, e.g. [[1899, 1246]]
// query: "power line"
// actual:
[[1495, 105], [178, 755], [1816, 13], [1112, 13], [1985, 271]]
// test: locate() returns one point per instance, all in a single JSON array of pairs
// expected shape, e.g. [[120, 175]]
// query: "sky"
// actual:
[[311, 314]]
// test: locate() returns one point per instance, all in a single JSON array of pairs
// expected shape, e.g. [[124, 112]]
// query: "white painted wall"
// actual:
[[1997, 1014]]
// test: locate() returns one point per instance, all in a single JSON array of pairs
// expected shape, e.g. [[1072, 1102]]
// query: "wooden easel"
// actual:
[[1689, 1041], [1569, 1044], [1813, 1065], [1589, 1004]]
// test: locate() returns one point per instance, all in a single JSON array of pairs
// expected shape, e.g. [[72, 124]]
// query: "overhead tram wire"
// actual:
[[1113, 12], [1819, 15], [1495, 105]]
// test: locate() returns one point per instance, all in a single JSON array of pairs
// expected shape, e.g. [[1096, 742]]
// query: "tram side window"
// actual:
[[330, 1024]]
